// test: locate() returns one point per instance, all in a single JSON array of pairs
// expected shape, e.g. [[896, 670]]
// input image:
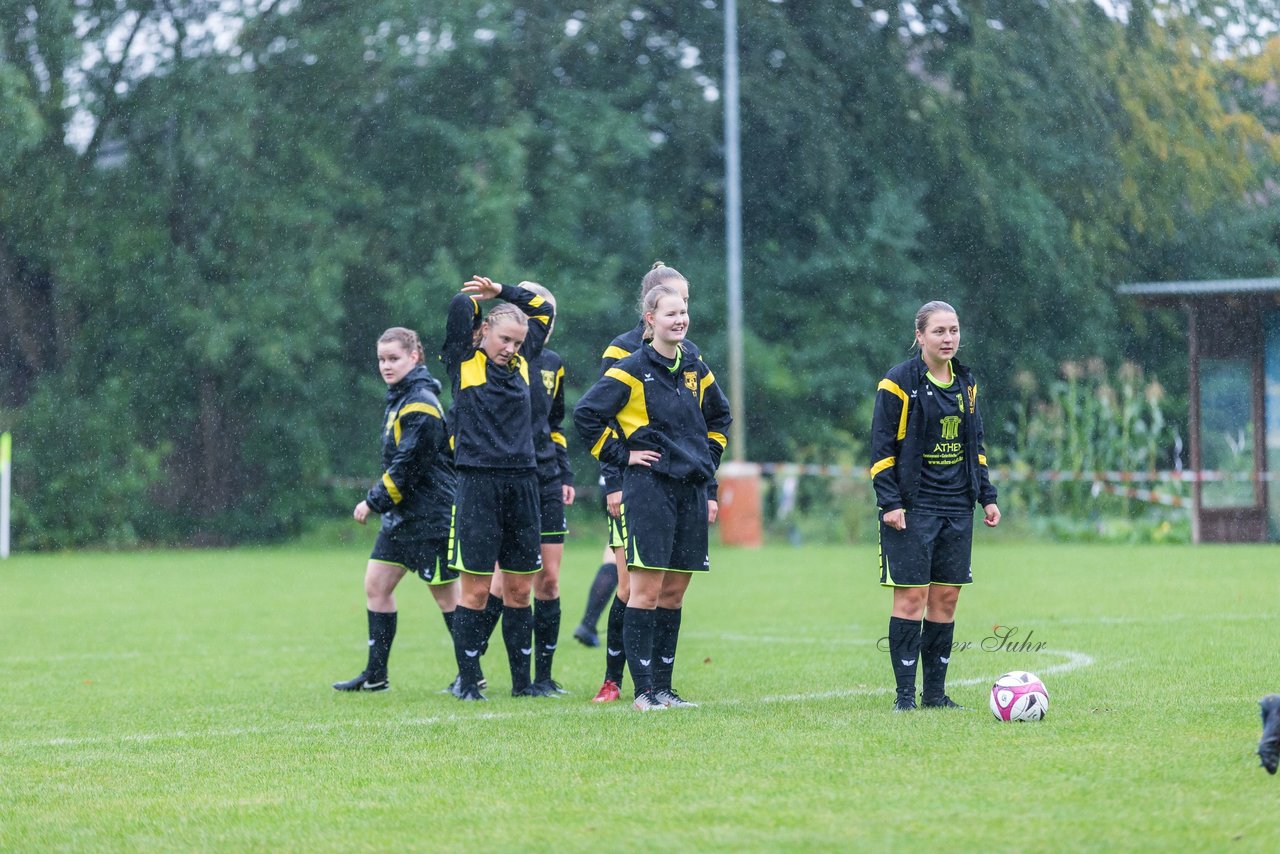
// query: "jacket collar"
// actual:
[[957, 368]]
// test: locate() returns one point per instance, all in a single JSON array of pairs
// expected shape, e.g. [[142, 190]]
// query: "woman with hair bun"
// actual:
[[928, 467]]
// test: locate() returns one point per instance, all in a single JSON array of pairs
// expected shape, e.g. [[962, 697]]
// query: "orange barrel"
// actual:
[[741, 518]]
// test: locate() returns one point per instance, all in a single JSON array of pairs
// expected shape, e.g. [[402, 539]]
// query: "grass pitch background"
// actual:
[[180, 700]]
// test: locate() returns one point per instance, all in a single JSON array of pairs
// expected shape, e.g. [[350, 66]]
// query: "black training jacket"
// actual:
[[897, 436], [641, 403], [621, 347], [549, 444], [491, 413], [418, 479]]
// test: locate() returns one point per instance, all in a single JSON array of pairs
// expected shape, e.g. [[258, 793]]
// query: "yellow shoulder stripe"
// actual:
[[893, 388], [612, 352], [635, 413], [413, 407], [702, 386], [471, 372]]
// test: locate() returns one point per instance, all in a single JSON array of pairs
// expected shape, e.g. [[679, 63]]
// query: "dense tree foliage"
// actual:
[[210, 209]]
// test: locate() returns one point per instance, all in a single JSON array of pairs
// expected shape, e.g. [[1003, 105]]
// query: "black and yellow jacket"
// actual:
[[645, 402], [491, 413], [417, 480], [897, 435], [549, 444], [620, 348]]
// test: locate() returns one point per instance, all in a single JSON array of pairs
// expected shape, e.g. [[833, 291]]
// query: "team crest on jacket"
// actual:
[[691, 380], [973, 398], [549, 382]]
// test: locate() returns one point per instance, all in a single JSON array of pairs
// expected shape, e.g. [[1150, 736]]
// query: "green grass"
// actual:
[[179, 701]]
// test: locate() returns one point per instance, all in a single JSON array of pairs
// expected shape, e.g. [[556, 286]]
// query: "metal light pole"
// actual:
[[733, 230]]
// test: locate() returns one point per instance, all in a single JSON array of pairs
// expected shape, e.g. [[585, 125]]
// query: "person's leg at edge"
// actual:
[[598, 598], [546, 615], [517, 627], [667, 636], [904, 641], [936, 637], [638, 631], [467, 631], [380, 580]]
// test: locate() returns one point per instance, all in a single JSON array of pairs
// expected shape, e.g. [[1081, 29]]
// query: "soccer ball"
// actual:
[[1019, 696]]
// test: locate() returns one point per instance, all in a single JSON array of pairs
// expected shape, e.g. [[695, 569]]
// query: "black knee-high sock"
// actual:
[[935, 654], [382, 631], [492, 613], [517, 634], [904, 650], [546, 634], [665, 637], [448, 621], [637, 632], [606, 581], [614, 644], [467, 626]]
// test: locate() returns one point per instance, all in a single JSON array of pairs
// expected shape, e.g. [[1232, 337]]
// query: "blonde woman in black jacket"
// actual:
[[660, 418]]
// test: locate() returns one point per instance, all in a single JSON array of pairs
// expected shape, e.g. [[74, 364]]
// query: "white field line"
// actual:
[[1075, 661]]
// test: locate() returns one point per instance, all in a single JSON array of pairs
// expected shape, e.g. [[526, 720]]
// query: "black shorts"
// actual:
[[932, 550], [411, 548], [551, 501], [617, 529], [664, 522], [496, 521], [617, 536]]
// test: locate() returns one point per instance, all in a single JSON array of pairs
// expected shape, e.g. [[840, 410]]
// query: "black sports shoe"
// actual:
[[363, 682], [455, 687], [537, 689], [906, 702], [551, 686], [469, 693], [1269, 746], [944, 703], [586, 636]]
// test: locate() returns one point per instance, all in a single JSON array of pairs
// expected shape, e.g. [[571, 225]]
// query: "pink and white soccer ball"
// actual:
[[1019, 696]]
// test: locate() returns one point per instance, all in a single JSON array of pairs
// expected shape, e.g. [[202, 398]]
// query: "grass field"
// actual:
[[180, 701]]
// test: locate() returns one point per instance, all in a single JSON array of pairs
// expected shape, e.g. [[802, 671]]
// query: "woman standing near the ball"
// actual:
[[928, 467]]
